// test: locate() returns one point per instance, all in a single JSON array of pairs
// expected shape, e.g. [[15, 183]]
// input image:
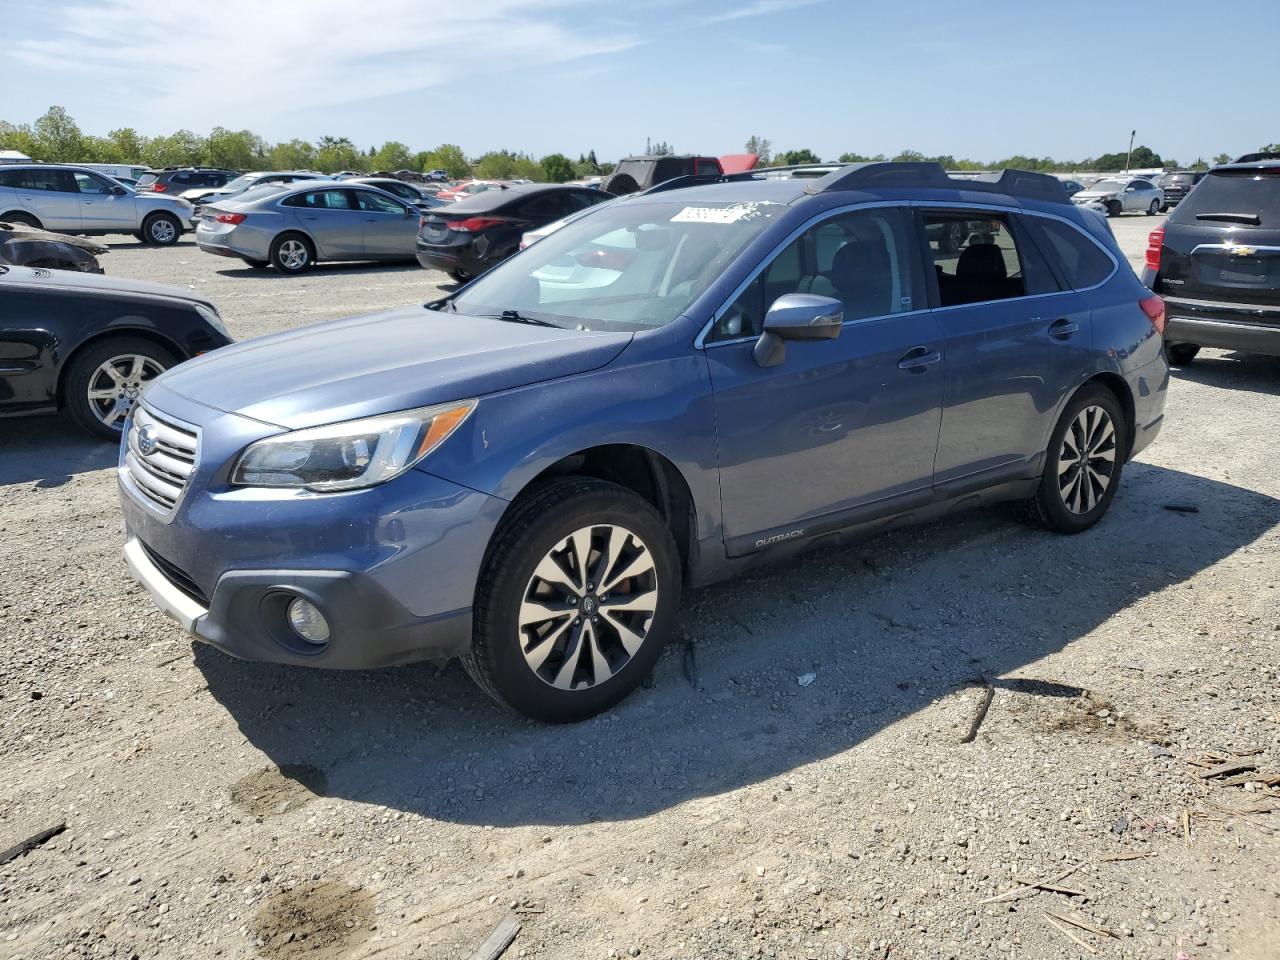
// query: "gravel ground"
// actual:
[[735, 807]]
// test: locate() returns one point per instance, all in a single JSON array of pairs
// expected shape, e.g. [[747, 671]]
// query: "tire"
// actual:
[[1154, 208], [1113, 208], [1180, 354], [459, 276], [1063, 502], [104, 417], [620, 184], [578, 635], [161, 230], [24, 219], [292, 253]]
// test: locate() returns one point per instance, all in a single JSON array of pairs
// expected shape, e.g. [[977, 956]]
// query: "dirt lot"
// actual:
[[730, 809]]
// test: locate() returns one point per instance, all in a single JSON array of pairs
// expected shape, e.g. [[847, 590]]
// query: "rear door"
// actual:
[[1222, 242], [333, 221], [390, 227], [100, 209], [1015, 343], [49, 195]]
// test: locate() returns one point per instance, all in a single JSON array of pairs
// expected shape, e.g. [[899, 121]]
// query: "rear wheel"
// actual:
[[23, 219], [576, 600], [1181, 354], [1083, 463], [161, 229], [102, 383], [292, 253]]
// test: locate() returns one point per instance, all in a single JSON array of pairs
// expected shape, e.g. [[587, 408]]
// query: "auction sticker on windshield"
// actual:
[[730, 214]]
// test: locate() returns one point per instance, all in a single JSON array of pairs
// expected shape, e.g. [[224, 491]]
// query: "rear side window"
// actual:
[[549, 206], [56, 181], [977, 258], [1082, 263], [707, 167], [1247, 194], [147, 179], [319, 200]]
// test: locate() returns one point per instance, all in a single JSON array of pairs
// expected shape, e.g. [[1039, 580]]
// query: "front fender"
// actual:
[[646, 399]]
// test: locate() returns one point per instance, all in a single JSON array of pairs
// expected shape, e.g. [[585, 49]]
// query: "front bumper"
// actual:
[[1249, 328]]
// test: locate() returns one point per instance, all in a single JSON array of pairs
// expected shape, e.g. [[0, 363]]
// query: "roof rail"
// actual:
[[869, 176]]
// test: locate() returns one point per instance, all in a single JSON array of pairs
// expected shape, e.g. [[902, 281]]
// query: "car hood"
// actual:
[[411, 357], [158, 200], [96, 284]]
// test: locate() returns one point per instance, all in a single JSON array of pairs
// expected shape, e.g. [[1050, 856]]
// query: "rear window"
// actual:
[[1248, 193], [147, 178], [1084, 263]]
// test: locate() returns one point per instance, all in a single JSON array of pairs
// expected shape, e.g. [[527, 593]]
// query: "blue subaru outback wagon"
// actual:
[[527, 472]]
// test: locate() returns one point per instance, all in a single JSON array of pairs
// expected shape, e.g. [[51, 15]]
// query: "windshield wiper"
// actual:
[[1249, 218], [515, 316]]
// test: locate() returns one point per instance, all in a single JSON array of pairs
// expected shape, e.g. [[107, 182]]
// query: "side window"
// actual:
[[183, 178], [977, 258], [55, 181], [10, 178], [864, 259], [706, 167], [373, 203], [550, 206], [1140, 184], [1082, 262], [88, 183], [577, 200], [321, 200]]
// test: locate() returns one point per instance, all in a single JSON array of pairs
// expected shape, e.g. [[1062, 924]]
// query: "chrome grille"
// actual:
[[158, 477]]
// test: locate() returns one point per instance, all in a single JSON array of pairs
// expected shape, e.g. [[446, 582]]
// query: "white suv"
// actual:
[[78, 200]]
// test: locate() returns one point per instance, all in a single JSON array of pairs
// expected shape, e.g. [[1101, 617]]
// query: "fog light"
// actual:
[[308, 622]]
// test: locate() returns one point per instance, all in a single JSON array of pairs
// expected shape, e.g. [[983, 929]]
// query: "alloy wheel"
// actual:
[[588, 607], [1087, 460], [293, 255], [163, 230], [114, 386]]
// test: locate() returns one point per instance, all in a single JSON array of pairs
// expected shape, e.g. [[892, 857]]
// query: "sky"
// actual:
[[978, 80]]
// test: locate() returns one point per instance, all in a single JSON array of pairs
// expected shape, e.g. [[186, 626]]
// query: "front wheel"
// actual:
[[1083, 463], [161, 230], [102, 383], [1154, 208], [1113, 208], [577, 598]]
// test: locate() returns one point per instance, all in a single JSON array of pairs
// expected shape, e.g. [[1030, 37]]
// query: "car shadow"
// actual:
[[1253, 372], [886, 625], [126, 242], [49, 451], [327, 269]]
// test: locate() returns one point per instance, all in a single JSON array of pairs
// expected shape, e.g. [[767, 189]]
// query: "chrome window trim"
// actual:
[[700, 342]]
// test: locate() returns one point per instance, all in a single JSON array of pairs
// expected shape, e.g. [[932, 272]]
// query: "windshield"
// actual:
[[240, 183], [1108, 185], [627, 266], [1244, 192]]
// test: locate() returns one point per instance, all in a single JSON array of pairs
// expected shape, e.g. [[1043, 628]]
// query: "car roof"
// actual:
[[1249, 165], [492, 199]]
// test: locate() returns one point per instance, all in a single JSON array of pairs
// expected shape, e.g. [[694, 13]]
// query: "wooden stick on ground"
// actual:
[[498, 941], [1051, 887], [1186, 826], [1021, 891], [1120, 857], [981, 713], [1083, 924], [33, 841], [1067, 933]]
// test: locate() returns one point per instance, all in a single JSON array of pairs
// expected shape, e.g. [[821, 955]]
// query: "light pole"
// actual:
[[1129, 155]]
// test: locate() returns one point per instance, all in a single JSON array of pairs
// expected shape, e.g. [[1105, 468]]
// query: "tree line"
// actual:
[[56, 138]]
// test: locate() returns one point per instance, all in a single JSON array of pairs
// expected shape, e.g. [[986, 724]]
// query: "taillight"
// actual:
[[1153, 307], [1155, 243], [422, 222], [472, 224], [230, 218], [159, 187]]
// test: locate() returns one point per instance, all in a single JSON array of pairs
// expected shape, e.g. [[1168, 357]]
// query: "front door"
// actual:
[[1016, 344], [390, 228], [841, 428], [100, 208]]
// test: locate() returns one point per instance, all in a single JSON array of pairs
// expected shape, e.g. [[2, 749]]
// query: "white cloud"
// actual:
[[242, 63], [758, 8]]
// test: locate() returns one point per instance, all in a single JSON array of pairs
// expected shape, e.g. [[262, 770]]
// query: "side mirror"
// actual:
[[796, 316], [119, 191]]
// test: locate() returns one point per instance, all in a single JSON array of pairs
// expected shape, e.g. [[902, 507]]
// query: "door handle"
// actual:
[[1062, 328], [917, 358]]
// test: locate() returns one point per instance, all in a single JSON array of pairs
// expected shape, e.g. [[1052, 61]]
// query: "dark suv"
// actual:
[[1177, 185], [1216, 261], [640, 173], [177, 180]]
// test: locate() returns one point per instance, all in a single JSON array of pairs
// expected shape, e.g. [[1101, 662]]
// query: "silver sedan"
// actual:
[[294, 226]]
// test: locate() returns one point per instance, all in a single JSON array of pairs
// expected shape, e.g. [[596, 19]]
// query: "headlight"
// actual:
[[211, 317], [350, 455]]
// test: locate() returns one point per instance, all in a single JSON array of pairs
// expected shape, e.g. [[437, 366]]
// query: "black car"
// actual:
[[633, 174], [1216, 262], [405, 191], [1177, 185], [467, 237], [178, 180], [85, 344]]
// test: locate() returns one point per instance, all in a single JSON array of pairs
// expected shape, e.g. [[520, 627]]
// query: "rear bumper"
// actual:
[[1251, 328]]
